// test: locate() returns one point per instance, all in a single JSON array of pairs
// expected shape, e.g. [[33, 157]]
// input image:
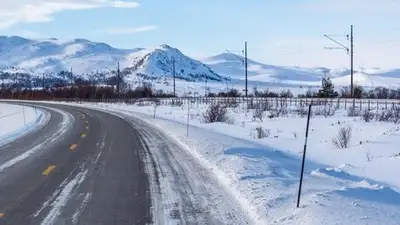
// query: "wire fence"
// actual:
[[362, 104]]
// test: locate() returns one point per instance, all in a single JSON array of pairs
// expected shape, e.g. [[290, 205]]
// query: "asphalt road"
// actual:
[[83, 167], [89, 167]]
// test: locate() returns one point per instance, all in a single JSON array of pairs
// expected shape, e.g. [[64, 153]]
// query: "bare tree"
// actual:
[[342, 140], [216, 113]]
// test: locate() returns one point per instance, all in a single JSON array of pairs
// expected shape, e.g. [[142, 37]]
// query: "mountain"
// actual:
[[35, 57], [35, 62], [162, 60], [231, 65]]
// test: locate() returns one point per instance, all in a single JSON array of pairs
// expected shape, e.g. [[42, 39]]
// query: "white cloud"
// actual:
[[36, 11], [128, 30]]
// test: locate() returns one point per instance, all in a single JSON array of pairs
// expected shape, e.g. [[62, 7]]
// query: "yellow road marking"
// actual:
[[86, 122], [1, 215], [73, 147], [83, 135], [87, 127], [48, 170]]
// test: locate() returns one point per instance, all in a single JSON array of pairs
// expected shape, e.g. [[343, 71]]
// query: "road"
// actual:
[[91, 167]]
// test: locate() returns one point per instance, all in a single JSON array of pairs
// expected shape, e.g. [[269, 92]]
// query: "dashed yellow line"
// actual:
[[83, 135], [1, 215], [87, 127], [49, 169], [73, 147]]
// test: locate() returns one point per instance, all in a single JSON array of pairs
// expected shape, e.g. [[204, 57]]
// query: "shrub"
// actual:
[[262, 133], [231, 103], [368, 115], [342, 139], [384, 116], [176, 103], [396, 114], [329, 110], [302, 110], [353, 112], [280, 109], [258, 113], [215, 113]]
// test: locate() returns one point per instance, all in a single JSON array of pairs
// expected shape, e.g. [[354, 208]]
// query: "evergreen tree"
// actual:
[[328, 89]]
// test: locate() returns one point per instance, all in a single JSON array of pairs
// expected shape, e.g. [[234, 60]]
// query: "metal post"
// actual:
[[173, 71], [304, 156], [351, 61], [23, 113], [188, 117], [155, 108], [245, 65]]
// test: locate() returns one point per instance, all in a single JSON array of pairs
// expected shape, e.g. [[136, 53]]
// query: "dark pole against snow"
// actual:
[[245, 66], [173, 74], [304, 156], [188, 117]]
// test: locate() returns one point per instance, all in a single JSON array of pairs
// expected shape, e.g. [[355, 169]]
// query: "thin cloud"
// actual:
[[40, 11], [129, 30]]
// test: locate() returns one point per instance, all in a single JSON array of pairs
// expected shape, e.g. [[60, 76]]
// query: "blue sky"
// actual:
[[278, 32]]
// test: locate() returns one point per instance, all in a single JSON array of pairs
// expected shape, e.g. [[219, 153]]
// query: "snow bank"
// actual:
[[18, 120], [356, 185]]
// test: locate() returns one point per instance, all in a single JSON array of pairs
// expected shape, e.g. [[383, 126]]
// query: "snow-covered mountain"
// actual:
[[35, 57], [227, 64], [19, 54]]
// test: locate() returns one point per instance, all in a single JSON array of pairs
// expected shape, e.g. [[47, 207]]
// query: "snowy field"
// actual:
[[353, 185], [18, 120]]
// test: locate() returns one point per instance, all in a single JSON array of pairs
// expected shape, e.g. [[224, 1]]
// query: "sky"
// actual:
[[289, 32]]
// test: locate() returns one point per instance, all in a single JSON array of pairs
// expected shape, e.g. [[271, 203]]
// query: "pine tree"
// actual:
[[328, 89]]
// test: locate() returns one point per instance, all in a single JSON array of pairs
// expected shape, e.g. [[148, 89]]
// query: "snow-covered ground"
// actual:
[[354, 185], [18, 120]]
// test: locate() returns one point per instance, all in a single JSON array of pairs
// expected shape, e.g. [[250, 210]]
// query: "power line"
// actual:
[[348, 50], [245, 64]]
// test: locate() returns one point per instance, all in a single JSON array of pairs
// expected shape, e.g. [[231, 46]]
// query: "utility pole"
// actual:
[[245, 65], [205, 86], [348, 50], [227, 87], [72, 76], [351, 59], [118, 80], [173, 74]]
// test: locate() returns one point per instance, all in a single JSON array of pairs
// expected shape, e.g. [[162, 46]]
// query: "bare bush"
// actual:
[[216, 113], [368, 156], [280, 109], [396, 114], [176, 103], [301, 110], [384, 116], [353, 112], [342, 140], [264, 106], [231, 103], [258, 113], [368, 115], [329, 109], [262, 133]]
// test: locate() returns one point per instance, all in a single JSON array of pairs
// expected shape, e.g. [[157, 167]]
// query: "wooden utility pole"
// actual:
[[173, 74]]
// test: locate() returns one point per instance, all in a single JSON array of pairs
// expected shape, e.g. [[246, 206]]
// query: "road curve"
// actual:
[[91, 167], [83, 167]]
